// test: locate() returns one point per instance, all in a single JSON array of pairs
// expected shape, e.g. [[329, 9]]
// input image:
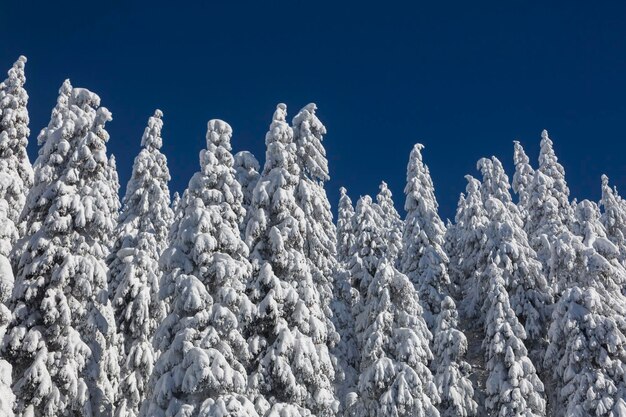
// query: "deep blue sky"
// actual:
[[464, 78]]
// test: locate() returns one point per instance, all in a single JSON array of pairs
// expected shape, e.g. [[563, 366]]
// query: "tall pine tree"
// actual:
[[134, 272], [292, 371], [60, 340]]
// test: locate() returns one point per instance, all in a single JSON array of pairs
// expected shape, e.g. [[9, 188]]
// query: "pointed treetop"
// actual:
[[519, 155], [343, 191], [152, 133], [605, 180], [218, 134], [280, 114]]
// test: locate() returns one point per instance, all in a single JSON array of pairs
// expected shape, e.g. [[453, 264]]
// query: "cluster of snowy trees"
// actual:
[[242, 296]]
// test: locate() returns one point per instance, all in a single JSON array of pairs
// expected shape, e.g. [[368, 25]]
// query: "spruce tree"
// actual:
[[60, 340], [614, 216], [513, 387], [423, 259], [16, 173], [345, 234], [320, 245], [134, 272], [587, 337], [291, 371], [392, 223], [247, 174], [202, 368], [522, 178], [393, 339], [451, 371]]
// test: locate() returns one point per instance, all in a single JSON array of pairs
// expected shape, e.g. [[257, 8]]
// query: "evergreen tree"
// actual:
[[16, 173], [345, 234], [614, 217], [424, 260], [452, 372], [201, 370], [292, 370], [60, 340], [467, 246], [522, 178], [549, 166], [587, 337], [508, 247], [7, 398], [247, 174], [134, 272], [393, 338], [320, 244], [513, 387], [392, 223]]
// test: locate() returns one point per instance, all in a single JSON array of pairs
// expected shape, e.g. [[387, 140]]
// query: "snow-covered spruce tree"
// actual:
[[451, 371], [513, 387], [508, 247], [60, 340], [393, 339], [16, 173], [392, 223], [614, 216], [345, 234], [423, 259], [467, 255], [134, 272], [247, 174], [522, 178], [291, 371], [7, 398], [320, 244], [201, 368], [587, 337], [549, 165]]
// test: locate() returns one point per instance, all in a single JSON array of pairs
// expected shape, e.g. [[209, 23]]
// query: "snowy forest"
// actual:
[[245, 297]]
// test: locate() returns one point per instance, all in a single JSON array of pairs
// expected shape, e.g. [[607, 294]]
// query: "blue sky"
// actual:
[[463, 78]]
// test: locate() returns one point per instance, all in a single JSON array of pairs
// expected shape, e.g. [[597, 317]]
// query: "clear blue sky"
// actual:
[[464, 78]]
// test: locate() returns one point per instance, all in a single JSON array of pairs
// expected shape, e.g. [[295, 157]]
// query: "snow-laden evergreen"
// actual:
[[549, 165], [345, 234], [134, 272], [522, 178], [392, 223], [60, 340], [320, 245], [587, 350], [513, 387], [393, 340], [7, 398], [292, 370], [451, 371], [247, 174], [424, 259], [202, 368], [614, 216], [507, 246], [16, 173], [466, 241]]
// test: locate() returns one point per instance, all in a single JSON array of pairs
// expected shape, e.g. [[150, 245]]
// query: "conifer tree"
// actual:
[[424, 260], [392, 223], [134, 272], [320, 245], [291, 371], [345, 234], [513, 387], [393, 338], [587, 337], [7, 398], [522, 178], [247, 174], [16, 173], [508, 247], [61, 338], [614, 216], [452, 372], [202, 368]]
